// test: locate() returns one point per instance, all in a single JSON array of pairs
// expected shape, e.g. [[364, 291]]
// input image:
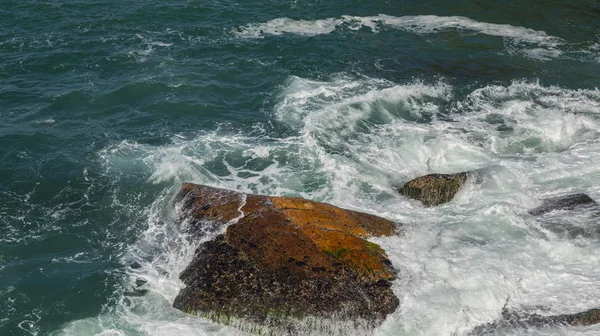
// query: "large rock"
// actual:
[[434, 189], [281, 260]]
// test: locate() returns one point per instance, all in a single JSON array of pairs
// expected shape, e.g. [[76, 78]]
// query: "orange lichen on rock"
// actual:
[[337, 232], [303, 212]]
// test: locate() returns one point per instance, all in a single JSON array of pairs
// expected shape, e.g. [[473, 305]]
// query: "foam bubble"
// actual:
[[46, 121]]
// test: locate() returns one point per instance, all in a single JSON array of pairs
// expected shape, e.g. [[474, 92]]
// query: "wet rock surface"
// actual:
[[435, 189], [521, 320], [282, 259]]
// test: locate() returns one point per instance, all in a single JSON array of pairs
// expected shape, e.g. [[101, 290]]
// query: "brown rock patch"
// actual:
[[434, 189]]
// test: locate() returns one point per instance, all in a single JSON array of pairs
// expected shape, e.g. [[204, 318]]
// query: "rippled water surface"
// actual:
[[107, 106]]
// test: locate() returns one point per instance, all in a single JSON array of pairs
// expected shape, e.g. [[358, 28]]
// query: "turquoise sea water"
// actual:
[[107, 106]]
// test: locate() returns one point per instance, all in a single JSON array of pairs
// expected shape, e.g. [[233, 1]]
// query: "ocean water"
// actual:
[[107, 106]]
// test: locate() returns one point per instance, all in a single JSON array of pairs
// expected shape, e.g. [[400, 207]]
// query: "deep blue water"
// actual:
[[106, 106]]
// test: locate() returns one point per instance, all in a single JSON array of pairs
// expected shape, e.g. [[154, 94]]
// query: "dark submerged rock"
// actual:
[[435, 189], [522, 320], [140, 282], [570, 216], [565, 202], [135, 265], [283, 259]]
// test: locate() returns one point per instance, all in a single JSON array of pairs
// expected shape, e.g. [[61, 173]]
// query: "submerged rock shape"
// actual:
[[434, 189], [565, 202], [570, 216], [521, 320], [281, 260]]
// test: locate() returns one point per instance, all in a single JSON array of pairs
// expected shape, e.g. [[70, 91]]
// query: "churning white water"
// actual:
[[357, 139]]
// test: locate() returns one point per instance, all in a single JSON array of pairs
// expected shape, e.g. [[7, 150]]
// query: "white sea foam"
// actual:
[[286, 25], [147, 47], [526, 117], [46, 121], [521, 40], [532, 43], [356, 139], [432, 24], [420, 24]]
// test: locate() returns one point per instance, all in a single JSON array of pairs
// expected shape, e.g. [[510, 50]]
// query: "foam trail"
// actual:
[[420, 24], [423, 24], [531, 43], [286, 25]]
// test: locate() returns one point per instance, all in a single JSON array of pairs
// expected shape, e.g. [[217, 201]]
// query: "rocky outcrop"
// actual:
[[434, 189], [521, 320], [281, 259]]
